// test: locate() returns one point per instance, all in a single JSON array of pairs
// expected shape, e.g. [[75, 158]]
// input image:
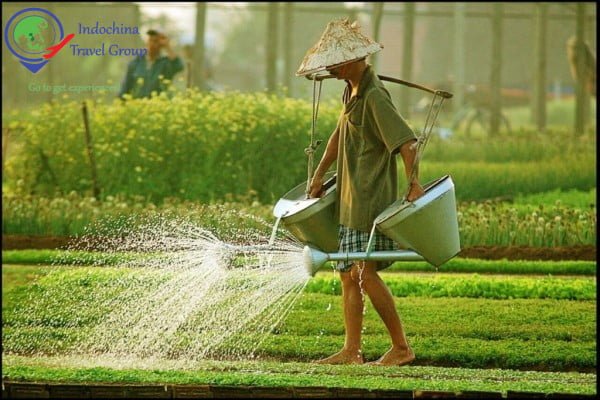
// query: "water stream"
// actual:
[[194, 295]]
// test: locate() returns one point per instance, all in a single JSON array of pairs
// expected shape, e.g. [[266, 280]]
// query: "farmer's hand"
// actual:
[[316, 186], [416, 191]]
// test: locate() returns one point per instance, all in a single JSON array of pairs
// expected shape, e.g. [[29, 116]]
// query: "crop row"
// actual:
[[455, 265], [485, 223], [258, 375], [476, 286], [53, 314]]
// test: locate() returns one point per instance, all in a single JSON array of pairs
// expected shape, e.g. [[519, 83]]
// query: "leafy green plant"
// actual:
[[480, 223], [475, 286], [455, 265], [55, 311], [255, 375]]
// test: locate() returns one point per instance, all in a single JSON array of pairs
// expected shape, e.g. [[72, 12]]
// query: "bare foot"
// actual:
[[343, 357], [397, 357]]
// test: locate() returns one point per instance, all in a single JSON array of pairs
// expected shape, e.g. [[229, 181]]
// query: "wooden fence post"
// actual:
[[496, 73], [90, 150], [539, 69]]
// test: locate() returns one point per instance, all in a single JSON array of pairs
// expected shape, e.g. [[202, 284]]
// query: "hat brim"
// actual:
[[324, 68]]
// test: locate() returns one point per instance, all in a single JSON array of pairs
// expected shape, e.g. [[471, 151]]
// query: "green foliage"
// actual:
[[52, 313], [231, 146], [480, 180], [467, 265], [484, 223], [63, 257], [75, 215], [494, 223], [475, 286], [569, 198], [293, 374], [455, 265], [19, 275], [523, 146], [196, 145]]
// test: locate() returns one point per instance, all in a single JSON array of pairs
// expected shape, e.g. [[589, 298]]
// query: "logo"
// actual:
[[34, 36]]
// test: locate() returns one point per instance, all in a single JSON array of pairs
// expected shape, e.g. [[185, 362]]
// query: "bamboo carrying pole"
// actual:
[[90, 150], [441, 93]]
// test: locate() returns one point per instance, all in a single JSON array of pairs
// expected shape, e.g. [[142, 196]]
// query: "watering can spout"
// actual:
[[313, 259]]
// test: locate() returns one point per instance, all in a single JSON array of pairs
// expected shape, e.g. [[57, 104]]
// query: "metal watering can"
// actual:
[[426, 229]]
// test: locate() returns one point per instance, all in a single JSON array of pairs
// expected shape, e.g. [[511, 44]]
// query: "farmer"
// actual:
[[370, 133], [146, 74]]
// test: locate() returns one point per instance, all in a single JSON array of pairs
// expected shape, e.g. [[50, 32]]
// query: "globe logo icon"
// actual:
[[34, 36]]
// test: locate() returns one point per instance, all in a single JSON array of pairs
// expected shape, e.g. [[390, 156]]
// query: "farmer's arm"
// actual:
[[329, 156]]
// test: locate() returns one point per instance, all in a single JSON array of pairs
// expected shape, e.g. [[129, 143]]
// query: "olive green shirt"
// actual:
[[371, 132]]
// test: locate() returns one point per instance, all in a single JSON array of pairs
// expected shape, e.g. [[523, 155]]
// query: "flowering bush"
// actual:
[[196, 145]]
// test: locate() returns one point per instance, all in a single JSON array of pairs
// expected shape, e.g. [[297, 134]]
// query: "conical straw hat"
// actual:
[[341, 43]]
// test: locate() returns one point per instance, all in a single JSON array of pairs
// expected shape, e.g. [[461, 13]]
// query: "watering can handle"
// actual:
[[326, 185], [329, 182]]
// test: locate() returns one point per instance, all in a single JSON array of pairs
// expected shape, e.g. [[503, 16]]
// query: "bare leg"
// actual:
[[383, 302], [353, 303]]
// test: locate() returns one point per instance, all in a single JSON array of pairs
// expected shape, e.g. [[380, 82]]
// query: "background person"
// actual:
[[369, 134], [146, 74], [575, 50]]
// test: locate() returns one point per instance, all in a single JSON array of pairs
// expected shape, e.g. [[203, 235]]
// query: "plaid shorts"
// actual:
[[352, 240]]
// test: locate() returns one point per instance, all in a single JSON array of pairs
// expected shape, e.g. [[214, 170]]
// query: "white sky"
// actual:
[[218, 21], [185, 15]]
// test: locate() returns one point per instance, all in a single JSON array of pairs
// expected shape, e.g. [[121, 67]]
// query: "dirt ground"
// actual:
[[582, 253]]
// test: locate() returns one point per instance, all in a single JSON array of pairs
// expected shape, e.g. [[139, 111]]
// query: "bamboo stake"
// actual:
[[90, 150]]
